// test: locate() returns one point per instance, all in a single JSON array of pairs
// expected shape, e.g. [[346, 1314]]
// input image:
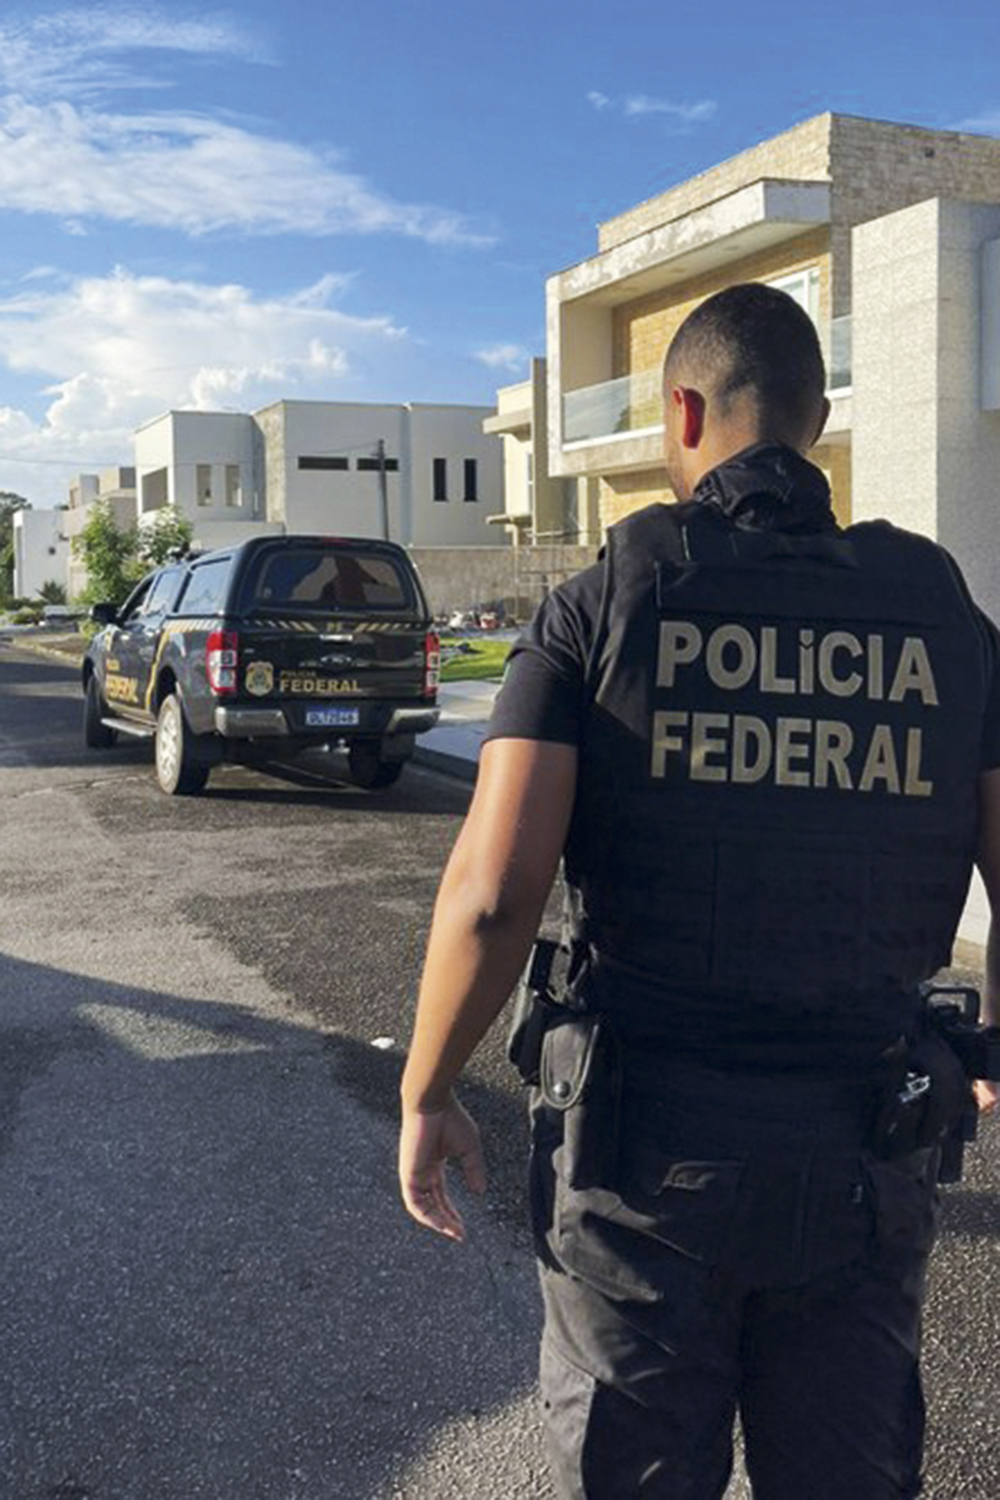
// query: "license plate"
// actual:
[[332, 718]]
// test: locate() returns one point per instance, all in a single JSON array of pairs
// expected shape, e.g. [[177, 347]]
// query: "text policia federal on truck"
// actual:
[[264, 650]]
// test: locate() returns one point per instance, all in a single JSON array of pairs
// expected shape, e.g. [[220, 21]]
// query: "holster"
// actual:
[[534, 1007], [922, 1094]]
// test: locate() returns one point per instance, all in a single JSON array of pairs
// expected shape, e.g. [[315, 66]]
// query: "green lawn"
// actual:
[[482, 661]]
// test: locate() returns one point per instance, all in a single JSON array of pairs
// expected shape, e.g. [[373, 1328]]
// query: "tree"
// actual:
[[109, 555], [52, 592], [168, 532], [9, 504]]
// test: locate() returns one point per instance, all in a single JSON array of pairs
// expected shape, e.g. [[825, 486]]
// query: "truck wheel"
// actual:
[[369, 770], [96, 735], [179, 769]]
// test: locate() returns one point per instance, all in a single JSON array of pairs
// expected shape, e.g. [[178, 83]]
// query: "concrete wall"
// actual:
[[41, 555], [459, 577]]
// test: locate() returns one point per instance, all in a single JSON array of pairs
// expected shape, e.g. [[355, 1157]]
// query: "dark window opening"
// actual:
[[471, 480], [306, 462], [440, 479], [372, 465], [294, 578]]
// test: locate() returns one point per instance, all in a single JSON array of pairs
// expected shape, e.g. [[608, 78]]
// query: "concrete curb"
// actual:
[[458, 766], [18, 643]]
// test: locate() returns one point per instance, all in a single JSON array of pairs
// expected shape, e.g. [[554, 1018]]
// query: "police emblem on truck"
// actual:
[[259, 678]]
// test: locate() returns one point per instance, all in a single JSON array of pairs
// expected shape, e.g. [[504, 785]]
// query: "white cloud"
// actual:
[[188, 172], [984, 124], [636, 105], [512, 357], [79, 52], [63, 154], [114, 351], [685, 114]]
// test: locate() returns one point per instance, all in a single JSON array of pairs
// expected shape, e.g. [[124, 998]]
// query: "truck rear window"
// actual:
[[328, 580]]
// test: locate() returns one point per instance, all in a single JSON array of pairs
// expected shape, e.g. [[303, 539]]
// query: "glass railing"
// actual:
[[629, 404], [633, 403], [838, 354]]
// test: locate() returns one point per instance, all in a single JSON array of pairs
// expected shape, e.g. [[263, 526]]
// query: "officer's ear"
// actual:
[[823, 418], [689, 410]]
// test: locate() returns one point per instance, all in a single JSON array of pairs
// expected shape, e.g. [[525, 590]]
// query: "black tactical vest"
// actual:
[[778, 783]]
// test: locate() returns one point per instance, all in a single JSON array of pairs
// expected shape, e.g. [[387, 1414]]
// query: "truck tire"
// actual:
[[369, 770], [96, 735], [180, 770]]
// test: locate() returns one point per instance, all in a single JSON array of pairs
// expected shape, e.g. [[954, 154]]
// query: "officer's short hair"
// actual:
[[753, 338]]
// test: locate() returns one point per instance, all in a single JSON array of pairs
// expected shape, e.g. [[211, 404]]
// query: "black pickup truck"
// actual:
[[257, 652]]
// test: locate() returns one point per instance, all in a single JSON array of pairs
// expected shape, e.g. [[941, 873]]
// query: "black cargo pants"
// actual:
[[752, 1259]]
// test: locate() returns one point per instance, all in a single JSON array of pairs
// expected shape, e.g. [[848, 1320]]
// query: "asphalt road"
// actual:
[[207, 1287]]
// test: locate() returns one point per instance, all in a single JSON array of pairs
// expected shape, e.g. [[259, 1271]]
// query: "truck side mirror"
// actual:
[[104, 614]]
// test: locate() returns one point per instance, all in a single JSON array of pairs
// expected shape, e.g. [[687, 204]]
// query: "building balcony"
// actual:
[[629, 409], [614, 408]]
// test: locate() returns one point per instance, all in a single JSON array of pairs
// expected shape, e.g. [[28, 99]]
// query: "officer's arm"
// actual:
[[988, 860], [486, 917]]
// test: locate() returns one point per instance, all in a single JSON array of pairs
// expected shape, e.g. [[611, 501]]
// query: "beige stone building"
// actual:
[[797, 211]]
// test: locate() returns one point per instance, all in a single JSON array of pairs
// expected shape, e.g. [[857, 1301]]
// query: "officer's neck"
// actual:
[[718, 446]]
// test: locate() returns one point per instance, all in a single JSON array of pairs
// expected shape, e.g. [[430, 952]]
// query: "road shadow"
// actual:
[[209, 1286]]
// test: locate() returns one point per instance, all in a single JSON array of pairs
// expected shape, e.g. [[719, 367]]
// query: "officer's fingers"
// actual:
[[473, 1165], [428, 1203], [986, 1095]]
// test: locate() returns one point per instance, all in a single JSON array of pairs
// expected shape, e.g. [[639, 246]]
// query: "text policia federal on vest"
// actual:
[[801, 661]]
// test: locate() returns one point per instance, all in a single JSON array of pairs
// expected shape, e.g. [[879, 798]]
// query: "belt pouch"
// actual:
[[580, 1077]]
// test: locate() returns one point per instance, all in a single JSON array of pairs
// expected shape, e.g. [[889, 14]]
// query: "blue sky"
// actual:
[[361, 200]]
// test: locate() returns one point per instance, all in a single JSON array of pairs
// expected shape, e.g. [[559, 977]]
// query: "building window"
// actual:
[[203, 483], [803, 286], [440, 479], [372, 465], [471, 480], [234, 492], [331, 461]]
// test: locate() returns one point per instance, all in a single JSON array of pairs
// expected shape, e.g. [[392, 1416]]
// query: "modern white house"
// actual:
[[41, 551], [423, 475]]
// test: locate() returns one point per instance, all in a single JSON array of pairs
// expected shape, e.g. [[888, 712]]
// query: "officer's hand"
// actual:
[[426, 1143], [986, 1095]]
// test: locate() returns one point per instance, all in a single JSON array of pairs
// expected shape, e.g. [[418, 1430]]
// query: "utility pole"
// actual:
[[383, 489]]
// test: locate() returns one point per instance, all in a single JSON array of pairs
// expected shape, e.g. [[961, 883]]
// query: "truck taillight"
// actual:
[[222, 660], [432, 664]]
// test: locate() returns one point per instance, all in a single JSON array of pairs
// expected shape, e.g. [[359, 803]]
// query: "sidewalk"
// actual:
[[454, 745]]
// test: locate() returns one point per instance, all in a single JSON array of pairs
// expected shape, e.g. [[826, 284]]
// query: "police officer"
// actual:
[[769, 751]]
